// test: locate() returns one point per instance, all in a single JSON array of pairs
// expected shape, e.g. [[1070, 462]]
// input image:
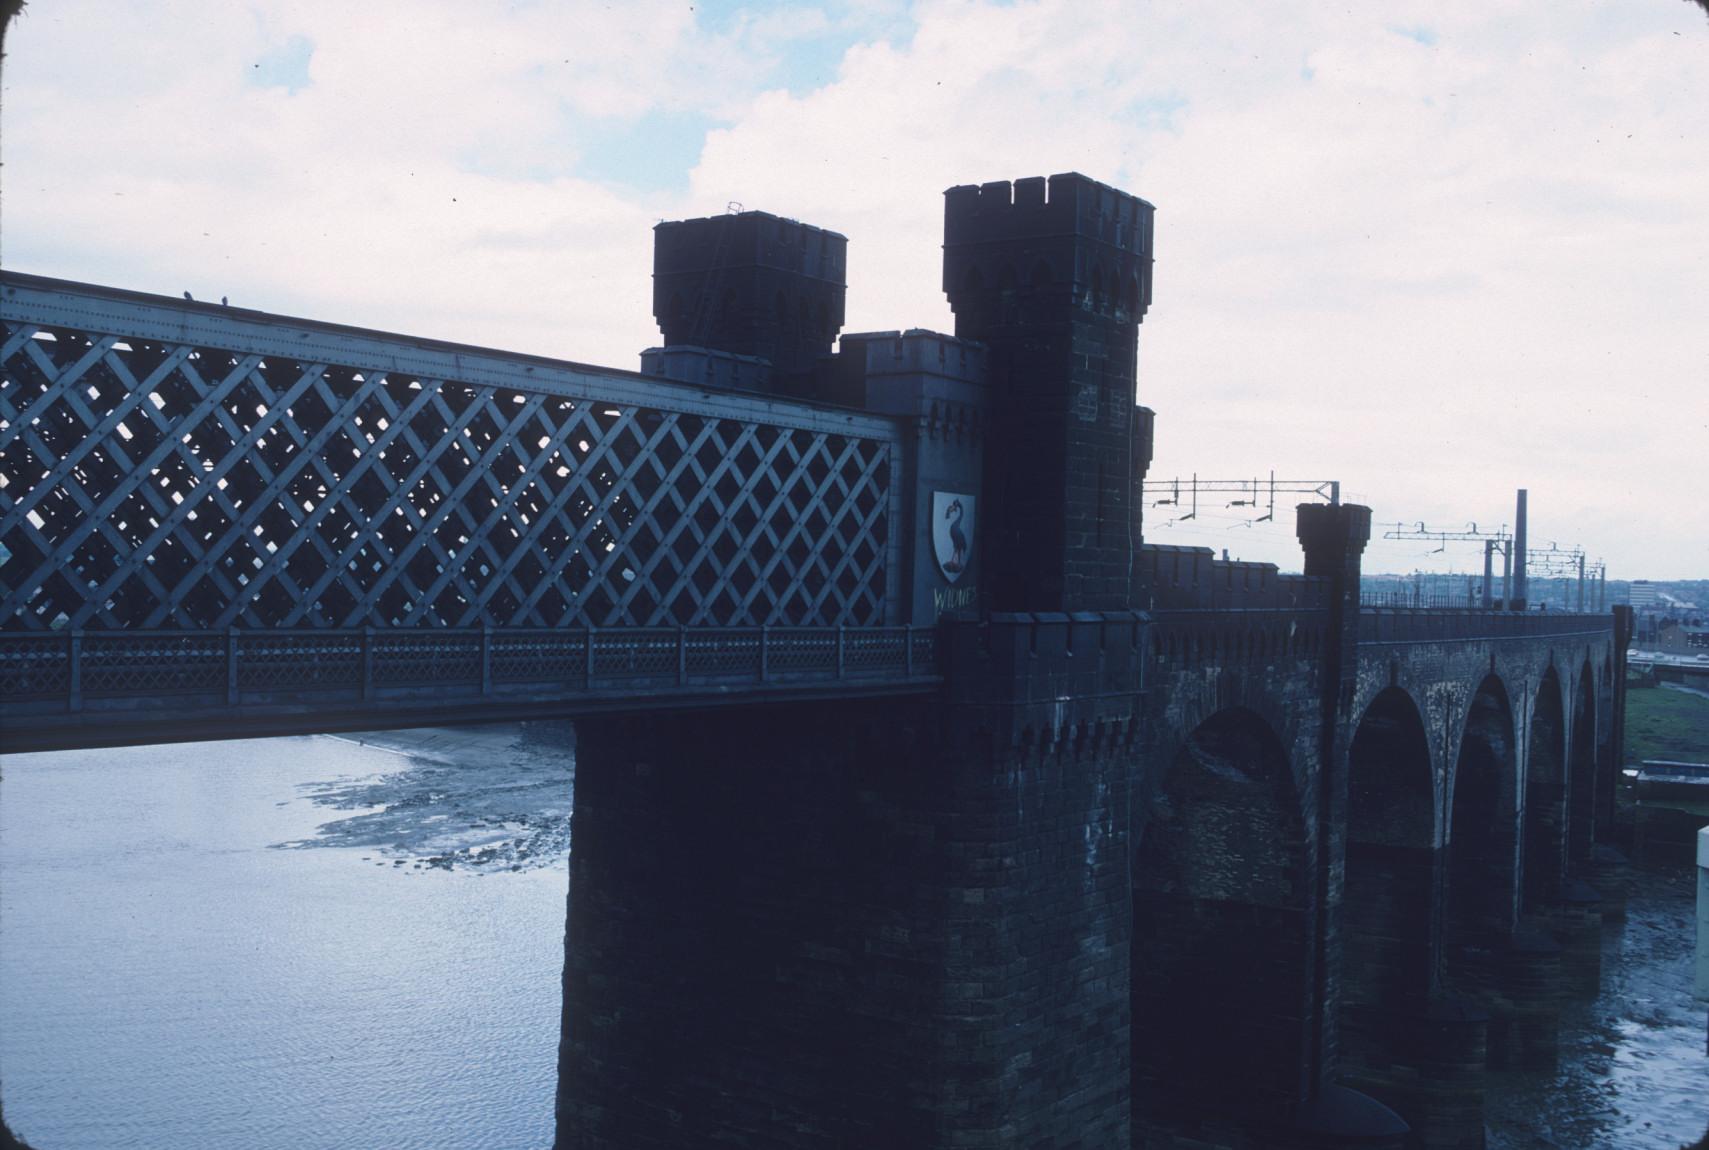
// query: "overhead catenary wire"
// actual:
[[1185, 493]]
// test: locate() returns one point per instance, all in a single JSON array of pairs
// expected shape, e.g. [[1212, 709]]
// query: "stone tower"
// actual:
[[752, 284], [1054, 276]]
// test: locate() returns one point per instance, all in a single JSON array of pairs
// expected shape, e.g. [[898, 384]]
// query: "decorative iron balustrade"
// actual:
[[171, 464], [51, 672]]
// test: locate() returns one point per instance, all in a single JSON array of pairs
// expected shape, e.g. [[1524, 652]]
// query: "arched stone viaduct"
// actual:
[[1450, 828], [1197, 876]]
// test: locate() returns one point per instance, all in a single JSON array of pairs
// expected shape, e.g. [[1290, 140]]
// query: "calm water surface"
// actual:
[[171, 978], [309, 943]]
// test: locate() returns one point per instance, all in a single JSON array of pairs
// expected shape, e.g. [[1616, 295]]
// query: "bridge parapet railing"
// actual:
[[79, 670], [1194, 637], [1432, 624], [1405, 599]]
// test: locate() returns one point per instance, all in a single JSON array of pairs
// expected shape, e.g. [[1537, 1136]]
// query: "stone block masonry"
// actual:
[[859, 925], [1054, 277]]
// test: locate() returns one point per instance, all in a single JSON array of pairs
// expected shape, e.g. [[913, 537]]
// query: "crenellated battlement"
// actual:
[[918, 350], [1033, 207], [750, 239], [936, 378], [1067, 235], [1178, 578], [752, 284]]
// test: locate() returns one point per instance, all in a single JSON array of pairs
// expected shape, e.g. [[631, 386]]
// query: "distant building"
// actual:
[[1659, 606], [1680, 639]]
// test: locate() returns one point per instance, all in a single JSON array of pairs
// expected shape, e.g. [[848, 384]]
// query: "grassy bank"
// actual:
[[1664, 724]]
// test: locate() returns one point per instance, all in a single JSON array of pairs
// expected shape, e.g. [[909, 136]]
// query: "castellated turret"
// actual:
[[1054, 276], [752, 284]]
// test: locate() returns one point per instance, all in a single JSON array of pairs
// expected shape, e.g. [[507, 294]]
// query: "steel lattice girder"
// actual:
[[167, 464]]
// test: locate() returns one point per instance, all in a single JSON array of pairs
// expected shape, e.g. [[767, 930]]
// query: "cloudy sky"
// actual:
[[1436, 251]]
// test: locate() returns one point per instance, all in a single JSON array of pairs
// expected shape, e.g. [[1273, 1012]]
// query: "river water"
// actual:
[[174, 974], [337, 944]]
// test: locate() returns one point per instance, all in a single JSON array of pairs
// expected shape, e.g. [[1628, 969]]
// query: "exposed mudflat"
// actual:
[[1632, 1073], [467, 798]]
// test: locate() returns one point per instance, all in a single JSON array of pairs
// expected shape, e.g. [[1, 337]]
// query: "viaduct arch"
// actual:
[[1481, 903], [1389, 919], [1582, 770], [1222, 930], [1545, 824]]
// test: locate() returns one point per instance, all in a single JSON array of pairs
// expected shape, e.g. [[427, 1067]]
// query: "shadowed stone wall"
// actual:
[[860, 924]]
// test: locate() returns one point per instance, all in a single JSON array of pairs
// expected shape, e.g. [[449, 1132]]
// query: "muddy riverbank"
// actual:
[[468, 798], [1632, 1072]]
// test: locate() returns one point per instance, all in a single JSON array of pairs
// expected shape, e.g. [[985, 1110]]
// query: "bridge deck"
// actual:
[[100, 688]]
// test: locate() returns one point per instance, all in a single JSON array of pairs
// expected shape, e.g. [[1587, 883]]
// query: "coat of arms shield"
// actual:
[[952, 532]]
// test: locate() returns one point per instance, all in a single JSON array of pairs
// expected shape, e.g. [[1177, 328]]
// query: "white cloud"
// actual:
[[1437, 253]]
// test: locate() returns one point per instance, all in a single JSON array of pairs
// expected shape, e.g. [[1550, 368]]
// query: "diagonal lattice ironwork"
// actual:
[[179, 466]]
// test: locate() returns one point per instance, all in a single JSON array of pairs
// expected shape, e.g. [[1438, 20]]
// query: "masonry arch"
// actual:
[[1581, 771], [1545, 796], [1221, 930], [1482, 870], [1610, 755], [1388, 895]]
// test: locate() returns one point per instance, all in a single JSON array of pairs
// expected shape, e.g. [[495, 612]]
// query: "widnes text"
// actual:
[[953, 598]]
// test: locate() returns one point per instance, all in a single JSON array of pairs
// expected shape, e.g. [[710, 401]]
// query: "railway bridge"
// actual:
[[919, 802]]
